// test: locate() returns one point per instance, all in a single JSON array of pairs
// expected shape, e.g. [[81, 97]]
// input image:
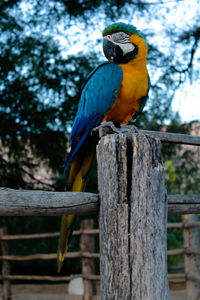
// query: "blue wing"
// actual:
[[98, 95]]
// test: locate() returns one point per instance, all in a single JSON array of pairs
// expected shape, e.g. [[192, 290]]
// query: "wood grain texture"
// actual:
[[183, 204], [183, 199], [25, 202], [114, 217], [176, 138], [132, 218], [44, 203], [148, 221], [183, 209]]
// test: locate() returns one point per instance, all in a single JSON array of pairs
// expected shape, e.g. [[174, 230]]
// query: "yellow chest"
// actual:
[[133, 87]]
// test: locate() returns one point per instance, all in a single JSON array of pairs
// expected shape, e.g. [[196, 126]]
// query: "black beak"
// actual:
[[112, 51]]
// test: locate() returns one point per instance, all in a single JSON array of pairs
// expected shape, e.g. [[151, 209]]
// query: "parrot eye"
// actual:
[[120, 36]]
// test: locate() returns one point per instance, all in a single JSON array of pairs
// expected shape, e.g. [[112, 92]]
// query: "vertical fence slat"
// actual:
[[5, 266], [133, 215], [148, 221], [114, 215], [192, 261], [88, 268], [132, 218]]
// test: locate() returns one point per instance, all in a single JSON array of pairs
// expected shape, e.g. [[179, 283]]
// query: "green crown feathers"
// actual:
[[116, 27]]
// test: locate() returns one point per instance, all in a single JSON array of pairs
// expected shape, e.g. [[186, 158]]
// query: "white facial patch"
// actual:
[[126, 48], [123, 40]]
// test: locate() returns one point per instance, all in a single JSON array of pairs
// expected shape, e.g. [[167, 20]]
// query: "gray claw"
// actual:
[[106, 128]]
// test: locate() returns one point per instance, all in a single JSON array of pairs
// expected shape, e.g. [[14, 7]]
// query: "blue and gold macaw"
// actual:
[[115, 91]]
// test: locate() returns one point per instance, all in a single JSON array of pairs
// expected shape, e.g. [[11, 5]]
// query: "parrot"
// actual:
[[115, 91]]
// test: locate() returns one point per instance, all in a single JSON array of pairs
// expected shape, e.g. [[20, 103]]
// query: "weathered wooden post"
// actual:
[[5, 266], [87, 245], [192, 259], [133, 217]]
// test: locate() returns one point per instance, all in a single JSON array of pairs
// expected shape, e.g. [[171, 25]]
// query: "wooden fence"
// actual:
[[133, 214], [87, 232]]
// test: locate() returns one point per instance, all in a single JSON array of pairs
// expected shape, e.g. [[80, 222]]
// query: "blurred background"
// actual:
[[47, 50]]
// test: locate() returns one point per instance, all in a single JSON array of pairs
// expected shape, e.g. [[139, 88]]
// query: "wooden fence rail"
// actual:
[[49, 278], [88, 277], [133, 210], [85, 231], [46, 235], [171, 277], [81, 254], [5, 237], [44, 203], [175, 138], [85, 254]]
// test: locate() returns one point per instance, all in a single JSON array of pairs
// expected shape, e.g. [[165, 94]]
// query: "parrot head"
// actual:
[[123, 43]]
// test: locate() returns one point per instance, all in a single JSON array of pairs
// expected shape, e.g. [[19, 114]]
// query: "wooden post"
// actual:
[[87, 245], [5, 266], [192, 261], [133, 218]]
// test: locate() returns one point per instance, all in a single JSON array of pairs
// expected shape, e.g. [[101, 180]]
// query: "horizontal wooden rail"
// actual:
[[29, 236], [48, 278], [175, 252], [49, 256], [183, 199], [176, 138], [183, 204], [68, 278], [182, 226], [84, 254], [183, 251], [176, 276], [44, 203], [46, 235], [85, 231], [184, 276]]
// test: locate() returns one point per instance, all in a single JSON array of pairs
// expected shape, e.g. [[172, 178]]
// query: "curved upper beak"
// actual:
[[112, 51]]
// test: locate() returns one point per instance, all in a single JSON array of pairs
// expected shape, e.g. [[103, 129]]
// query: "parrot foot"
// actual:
[[128, 128], [106, 128]]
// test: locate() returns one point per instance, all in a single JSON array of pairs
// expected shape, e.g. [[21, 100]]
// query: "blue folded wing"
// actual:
[[99, 92]]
